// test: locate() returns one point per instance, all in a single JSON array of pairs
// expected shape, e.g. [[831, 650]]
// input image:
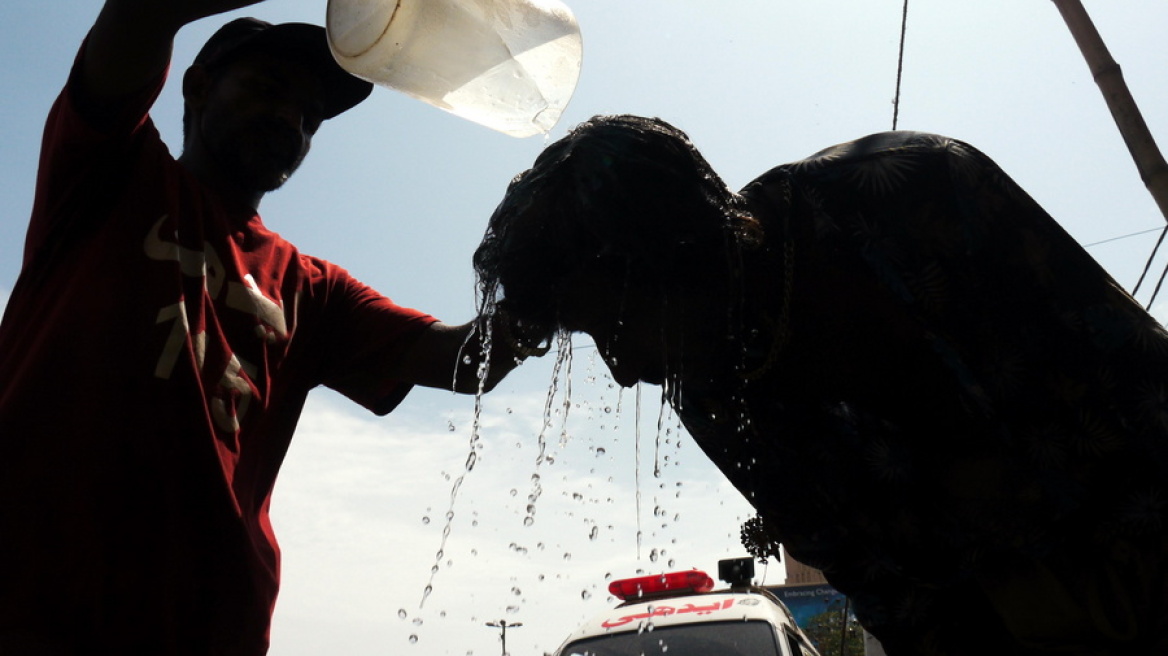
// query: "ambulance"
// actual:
[[681, 614]]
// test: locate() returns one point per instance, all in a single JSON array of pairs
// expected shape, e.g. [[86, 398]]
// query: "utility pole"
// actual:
[[502, 626], [1108, 76]]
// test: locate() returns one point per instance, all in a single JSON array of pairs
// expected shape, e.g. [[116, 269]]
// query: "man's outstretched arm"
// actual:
[[449, 357]]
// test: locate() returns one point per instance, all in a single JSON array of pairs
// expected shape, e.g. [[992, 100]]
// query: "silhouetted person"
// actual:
[[925, 387], [159, 344]]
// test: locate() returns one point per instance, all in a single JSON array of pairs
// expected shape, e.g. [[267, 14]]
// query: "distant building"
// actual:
[[800, 574], [820, 611]]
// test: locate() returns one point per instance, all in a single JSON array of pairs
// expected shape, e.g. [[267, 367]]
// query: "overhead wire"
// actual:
[[1156, 291], [900, 65], [1148, 265], [1130, 234]]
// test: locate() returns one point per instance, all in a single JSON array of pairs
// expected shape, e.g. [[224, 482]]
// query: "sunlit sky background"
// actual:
[[399, 192]]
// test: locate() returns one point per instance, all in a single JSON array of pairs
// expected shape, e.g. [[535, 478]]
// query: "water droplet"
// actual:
[[511, 610], [514, 492], [528, 521], [450, 426], [425, 520], [594, 533], [402, 614], [653, 555], [568, 556], [585, 595], [413, 639], [417, 621], [600, 451], [516, 591]]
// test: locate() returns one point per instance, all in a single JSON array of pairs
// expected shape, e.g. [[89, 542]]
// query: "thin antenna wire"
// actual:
[[899, 66], [1127, 236]]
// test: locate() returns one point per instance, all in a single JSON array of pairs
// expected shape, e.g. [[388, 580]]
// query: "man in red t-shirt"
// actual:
[[160, 342]]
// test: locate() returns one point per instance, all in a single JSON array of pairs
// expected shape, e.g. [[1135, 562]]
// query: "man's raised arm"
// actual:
[[131, 42]]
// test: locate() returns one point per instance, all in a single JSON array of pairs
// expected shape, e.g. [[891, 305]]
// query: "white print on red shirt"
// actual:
[[234, 390]]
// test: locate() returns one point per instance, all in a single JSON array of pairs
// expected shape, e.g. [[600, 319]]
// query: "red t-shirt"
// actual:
[[154, 359]]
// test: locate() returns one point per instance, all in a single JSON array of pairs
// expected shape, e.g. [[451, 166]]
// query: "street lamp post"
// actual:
[[502, 626]]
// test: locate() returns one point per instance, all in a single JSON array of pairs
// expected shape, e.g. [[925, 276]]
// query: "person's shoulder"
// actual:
[[316, 269], [327, 278]]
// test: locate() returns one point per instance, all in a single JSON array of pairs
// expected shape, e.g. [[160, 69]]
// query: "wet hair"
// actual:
[[620, 198]]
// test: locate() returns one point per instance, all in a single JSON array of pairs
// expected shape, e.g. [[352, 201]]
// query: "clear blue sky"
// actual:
[[399, 193]]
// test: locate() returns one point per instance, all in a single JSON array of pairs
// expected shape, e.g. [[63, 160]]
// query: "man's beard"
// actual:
[[258, 157]]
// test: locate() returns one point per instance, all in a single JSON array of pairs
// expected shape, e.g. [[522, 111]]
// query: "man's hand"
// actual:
[[190, 11], [449, 357]]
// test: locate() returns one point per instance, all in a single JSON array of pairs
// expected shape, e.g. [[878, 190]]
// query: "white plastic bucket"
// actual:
[[511, 65]]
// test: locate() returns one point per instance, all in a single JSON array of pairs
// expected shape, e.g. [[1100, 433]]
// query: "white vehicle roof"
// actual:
[[708, 607], [680, 603]]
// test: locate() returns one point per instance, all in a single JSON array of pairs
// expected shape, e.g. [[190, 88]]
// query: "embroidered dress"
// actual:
[[967, 429]]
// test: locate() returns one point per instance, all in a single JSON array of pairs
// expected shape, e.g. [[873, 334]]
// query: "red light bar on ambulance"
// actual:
[[673, 583]]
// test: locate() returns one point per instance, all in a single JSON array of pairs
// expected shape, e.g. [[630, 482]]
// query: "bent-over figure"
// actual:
[[925, 387]]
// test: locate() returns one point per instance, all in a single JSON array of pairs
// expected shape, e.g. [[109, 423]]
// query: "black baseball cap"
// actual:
[[297, 41]]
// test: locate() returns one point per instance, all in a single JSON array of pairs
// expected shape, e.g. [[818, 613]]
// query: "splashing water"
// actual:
[[561, 367], [475, 437], [637, 468], [662, 415]]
